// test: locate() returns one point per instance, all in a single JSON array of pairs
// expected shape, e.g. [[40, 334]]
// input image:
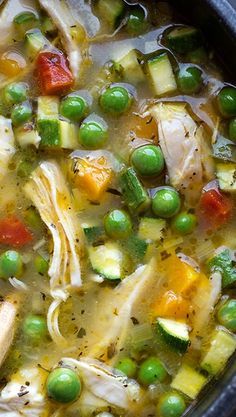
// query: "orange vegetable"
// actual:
[[171, 305], [182, 278], [93, 176], [11, 63], [143, 127]]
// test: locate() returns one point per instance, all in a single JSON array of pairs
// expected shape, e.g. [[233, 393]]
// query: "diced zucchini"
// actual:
[[34, 42], [136, 248], [134, 193], [188, 381], [174, 333], [151, 229], [25, 21], [48, 121], [226, 175], [162, 75], [111, 11], [26, 135], [223, 263], [130, 68], [48, 26], [69, 135], [107, 260], [93, 233], [184, 39], [222, 346]]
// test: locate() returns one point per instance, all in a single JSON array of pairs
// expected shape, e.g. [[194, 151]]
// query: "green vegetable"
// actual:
[[34, 42], [73, 108], [171, 404], [136, 248], [232, 130], [184, 223], [21, 113], [93, 234], [135, 195], [227, 101], [117, 224], [222, 346], [151, 229], [32, 218], [174, 333], [111, 11], [35, 328], [224, 264], [151, 370], [226, 175], [11, 264], [184, 39], [48, 26], [197, 56], [115, 100], [166, 202], [25, 21], [68, 133], [148, 160], [63, 385], [41, 265], [48, 121], [15, 93], [24, 169], [224, 149], [161, 74], [107, 260], [226, 314], [130, 68], [189, 79], [188, 381], [136, 22], [128, 366], [93, 135]]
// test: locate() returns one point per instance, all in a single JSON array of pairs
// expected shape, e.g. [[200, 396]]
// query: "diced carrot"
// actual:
[[11, 63], [143, 127], [215, 208], [171, 305], [182, 278], [93, 176]]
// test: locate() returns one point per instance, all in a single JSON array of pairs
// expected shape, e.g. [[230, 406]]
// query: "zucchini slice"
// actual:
[[184, 39], [161, 74], [134, 193], [188, 381], [107, 260], [175, 334]]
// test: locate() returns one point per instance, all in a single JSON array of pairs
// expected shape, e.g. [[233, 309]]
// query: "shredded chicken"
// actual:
[[185, 148], [48, 191], [8, 311], [7, 145]]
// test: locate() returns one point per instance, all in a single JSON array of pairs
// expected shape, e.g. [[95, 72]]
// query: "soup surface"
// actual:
[[117, 205]]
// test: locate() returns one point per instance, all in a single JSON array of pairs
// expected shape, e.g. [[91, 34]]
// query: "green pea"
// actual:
[[189, 79], [41, 265], [151, 370], [227, 101], [21, 113], [166, 202], [73, 108], [136, 22], [232, 130], [128, 366], [226, 315], [35, 328], [148, 160], [11, 264], [118, 224], [115, 100], [63, 385], [15, 93], [171, 404], [92, 135], [184, 223]]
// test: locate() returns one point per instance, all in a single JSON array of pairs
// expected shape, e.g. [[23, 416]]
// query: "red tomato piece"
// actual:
[[13, 232], [54, 74], [215, 207]]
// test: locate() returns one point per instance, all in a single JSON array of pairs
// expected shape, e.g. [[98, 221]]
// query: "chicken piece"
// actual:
[[105, 383], [49, 193], [7, 145], [19, 399], [8, 311], [185, 149]]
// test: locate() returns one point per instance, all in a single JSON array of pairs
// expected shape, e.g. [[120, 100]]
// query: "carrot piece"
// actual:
[[93, 176], [14, 233], [11, 63], [215, 208], [182, 278], [171, 305], [143, 127]]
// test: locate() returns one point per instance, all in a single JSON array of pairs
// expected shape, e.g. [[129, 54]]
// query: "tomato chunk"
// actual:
[[215, 207], [54, 74], [13, 232]]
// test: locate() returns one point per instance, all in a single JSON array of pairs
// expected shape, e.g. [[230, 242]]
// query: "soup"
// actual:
[[117, 229]]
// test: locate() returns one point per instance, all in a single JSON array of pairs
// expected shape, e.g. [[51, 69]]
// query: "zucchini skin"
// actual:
[[175, 343], [135, 195], [187, 42]]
